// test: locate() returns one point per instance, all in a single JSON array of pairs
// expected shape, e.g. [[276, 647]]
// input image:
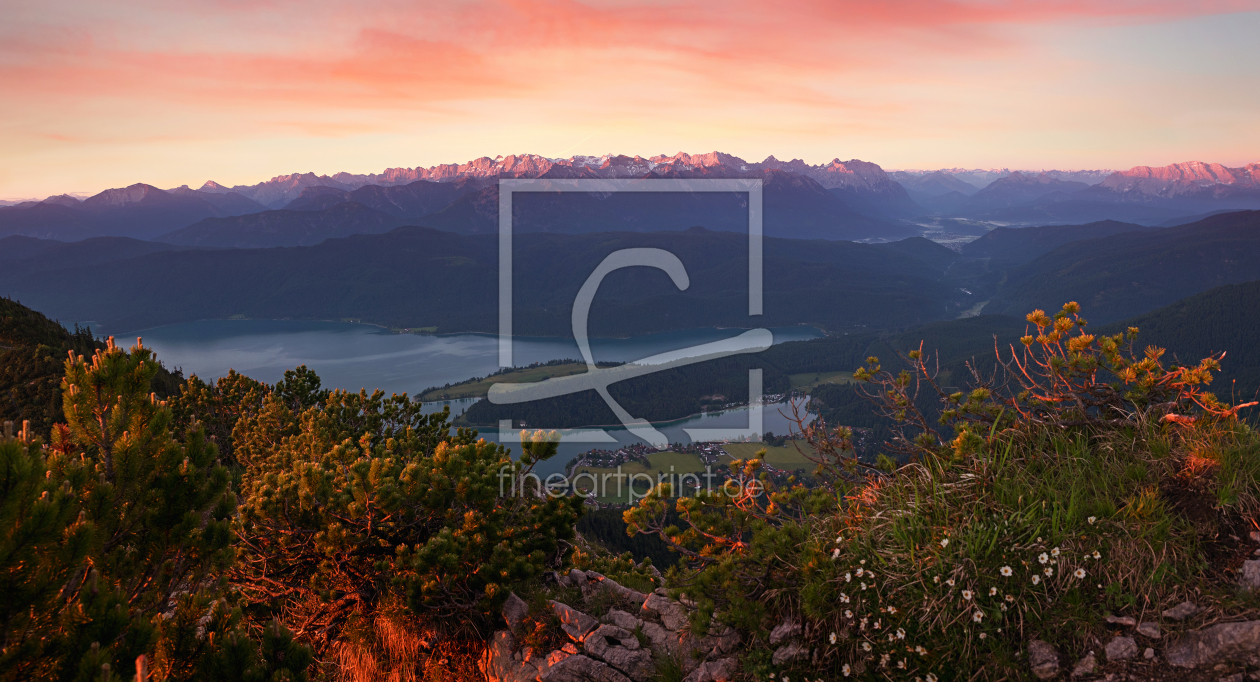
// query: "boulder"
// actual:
[[623, 620], [671, 612], [1250, 578], [714, 671], [787, 653], [606, 637], [1121, 648], [662, 641], [575, 624], [500, 664], [784, 631], [637, 664], [1223, 643], [581, 668], [1182, 611], [514, 611], [1043, 659]]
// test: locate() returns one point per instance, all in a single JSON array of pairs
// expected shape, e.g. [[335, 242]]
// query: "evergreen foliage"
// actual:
[[361, 504], [123, 551]]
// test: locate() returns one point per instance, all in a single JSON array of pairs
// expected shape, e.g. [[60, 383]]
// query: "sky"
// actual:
[[96, 95]]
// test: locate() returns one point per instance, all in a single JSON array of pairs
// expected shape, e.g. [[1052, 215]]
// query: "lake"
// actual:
[[354, 356]]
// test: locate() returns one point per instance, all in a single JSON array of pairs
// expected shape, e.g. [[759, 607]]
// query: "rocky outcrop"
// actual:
[[1216, 644], [624, 647]]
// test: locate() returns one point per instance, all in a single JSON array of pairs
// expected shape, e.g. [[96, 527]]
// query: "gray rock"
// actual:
[[1043, 659], [1148, 654], [789, 652], [1182, 611], [623, 620], [636, 664], [671, 612], [1121, 648], [1226, 642], [606, 637], [581, 668], [1126, 621], [575, 624], [1148, 629], [662, 641], [514, 611], [714, 671], [784, 631], [1250, 578], [499, 664], [590, 582], [1236, 677], [1085, 666]]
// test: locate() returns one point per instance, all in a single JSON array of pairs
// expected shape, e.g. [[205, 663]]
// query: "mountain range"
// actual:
[[845, 200]]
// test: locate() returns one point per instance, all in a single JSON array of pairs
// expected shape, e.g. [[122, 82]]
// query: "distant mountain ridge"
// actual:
[[866, 203], [859, 178]]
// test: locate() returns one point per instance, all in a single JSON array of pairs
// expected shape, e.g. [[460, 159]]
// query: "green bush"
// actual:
[[1098, 482], [361, 503]]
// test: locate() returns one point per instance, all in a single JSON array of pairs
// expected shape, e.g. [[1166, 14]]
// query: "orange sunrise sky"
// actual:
[[106, 94]]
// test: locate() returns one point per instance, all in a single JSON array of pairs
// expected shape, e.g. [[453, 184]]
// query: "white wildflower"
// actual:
[[992, 591], [833, 638], [1049, 571], [866, 646], [1092, 519], [977, 616], [1054, 552], [1080, 573], [835, 553], [966, 595], [846, 670], [1036, 579], [945, 542], [1005, 571], [1043, 558], [950, 582]]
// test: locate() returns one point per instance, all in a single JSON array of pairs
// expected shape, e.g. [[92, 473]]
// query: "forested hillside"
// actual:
[[33, 352], [417, 278]]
